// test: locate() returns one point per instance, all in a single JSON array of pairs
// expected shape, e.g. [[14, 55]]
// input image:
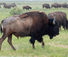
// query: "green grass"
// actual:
[[56, 47]]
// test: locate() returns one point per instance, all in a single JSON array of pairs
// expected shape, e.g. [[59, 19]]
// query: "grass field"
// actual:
[[57, 47]]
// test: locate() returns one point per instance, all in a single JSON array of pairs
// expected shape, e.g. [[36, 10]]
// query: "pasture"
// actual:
[[56, 47]]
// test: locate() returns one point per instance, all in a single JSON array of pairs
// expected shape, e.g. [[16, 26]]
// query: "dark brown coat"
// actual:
[[55, 5], [26, 7], [46, 6], [7, 6]]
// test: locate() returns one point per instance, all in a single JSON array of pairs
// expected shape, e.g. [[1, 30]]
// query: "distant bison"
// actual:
[[35, 24], [3, 3], [60, 17], [64, 5], [0, 6], [7, 6], [27, 7], [46, 6], [13, 5], [55, 5]]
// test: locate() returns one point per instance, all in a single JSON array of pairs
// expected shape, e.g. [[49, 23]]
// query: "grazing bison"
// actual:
[[0, 3], [3, 3], [13, 5], [35, 24], [64, 5], [60, 17], [27, 7], [7, 6], [55, 5], [46, 6], [0, 6]]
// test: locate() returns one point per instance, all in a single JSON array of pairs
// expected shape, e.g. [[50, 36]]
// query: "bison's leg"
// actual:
[[40, 39], [42, 43], [2, 39], [32, 40], [64, 25], [10, 41]]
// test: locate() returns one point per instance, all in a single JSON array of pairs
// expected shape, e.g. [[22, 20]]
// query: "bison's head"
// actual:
[[30, 8], [53, 28]]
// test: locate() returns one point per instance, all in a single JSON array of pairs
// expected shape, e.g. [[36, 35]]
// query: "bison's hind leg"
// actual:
[[2, 39], [10, 41]]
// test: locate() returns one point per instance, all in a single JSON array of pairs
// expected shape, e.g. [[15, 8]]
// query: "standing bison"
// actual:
[[64, 5], [13, 5], [55, 5], [60, 17], [35, 24], [26, 7], [46, 6], [7, 6], [0, 6]]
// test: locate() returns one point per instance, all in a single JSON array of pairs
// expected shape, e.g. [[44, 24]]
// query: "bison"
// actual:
[[0, 6], [34, 23], [60, 17], [46, 6], [55, 5], [7, 6], [13, 5], [26, 7], [64, 5]]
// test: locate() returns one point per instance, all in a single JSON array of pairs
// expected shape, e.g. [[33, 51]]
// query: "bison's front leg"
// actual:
[[10, 41], [40, 39], [42, 43], [32, 40]]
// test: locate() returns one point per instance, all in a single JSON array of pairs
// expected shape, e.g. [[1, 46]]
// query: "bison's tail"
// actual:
[[1, 29], [1, 26]]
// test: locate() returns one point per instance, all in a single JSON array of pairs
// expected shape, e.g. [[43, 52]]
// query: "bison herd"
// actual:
[[35, 24], [46, 5], [55, 5]]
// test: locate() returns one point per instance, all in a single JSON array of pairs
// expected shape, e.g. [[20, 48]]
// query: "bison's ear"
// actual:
[[23, 16]]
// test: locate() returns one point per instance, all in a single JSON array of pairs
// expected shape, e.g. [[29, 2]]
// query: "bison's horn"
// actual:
[[54, 21]]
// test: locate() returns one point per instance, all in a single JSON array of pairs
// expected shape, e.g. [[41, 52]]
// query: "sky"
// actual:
[[23, 0], [33, 0]]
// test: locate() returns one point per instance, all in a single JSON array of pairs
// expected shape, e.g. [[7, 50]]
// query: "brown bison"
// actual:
[[35, 24], [64, 5], [55, 5], [0, 6], [3, 3], [7, 6], [46, 6], [27, 7], [60, 17], [13, 5], [0, 3]]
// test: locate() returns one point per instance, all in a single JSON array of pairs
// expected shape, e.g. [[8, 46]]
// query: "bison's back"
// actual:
[[59, 16], [26, 23]]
